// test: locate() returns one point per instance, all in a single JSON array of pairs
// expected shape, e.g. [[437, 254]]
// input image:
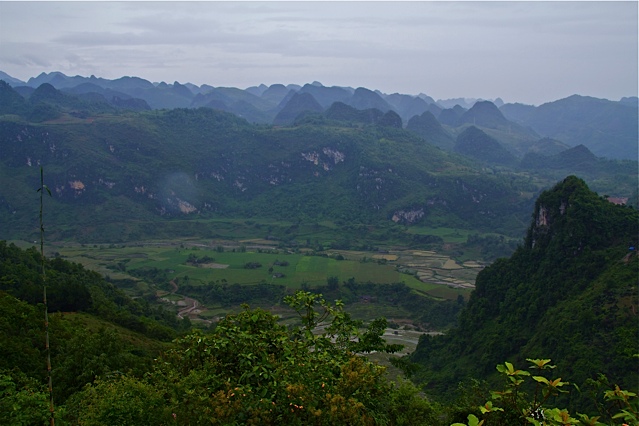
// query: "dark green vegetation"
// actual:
[[250, 369], [569, 293], [474, 143], [574, 273], [101, 330], [119, 174], [72, 288], [221, 279]]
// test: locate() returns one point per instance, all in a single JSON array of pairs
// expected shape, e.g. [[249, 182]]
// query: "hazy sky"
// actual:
[[530, 52]]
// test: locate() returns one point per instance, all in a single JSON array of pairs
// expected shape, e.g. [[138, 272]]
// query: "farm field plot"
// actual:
[[203, 280], [424, 271], [277, 267], [433, 268], [448, 234]]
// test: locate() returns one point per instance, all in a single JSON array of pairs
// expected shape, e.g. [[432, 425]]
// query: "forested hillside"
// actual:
[[569, 293], [119, 177], [94, 329], [112, 362], [122, 174]]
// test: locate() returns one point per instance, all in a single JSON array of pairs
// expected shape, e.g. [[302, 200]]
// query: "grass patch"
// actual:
[[293, 270], [94, 324], [173, 297], [449, 293], [449, 235]]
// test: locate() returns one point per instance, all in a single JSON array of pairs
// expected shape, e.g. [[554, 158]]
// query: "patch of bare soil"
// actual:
[[213, 265]]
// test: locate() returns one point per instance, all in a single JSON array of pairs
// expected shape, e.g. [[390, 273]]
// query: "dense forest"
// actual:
[[568, 294]]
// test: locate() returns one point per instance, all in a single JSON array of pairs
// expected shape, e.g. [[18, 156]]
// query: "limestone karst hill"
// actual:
[[569, 293]]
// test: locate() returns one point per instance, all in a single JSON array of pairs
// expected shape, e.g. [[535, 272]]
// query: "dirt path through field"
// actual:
[[191, 307]]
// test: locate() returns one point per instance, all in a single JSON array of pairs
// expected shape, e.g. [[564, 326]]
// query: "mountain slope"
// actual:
[[341, 112], [581, 161], [116, 177], [427, 126], [298, 104], [119, 174], [10, 80], [326, 96], [275, 93], [110, 95], [569, 294], [474, 143], [407, 106], [239, 102], [608, 129], [548, 146], [10, 101], [94, 327], [364, 98], [451, 116], [484, 114]]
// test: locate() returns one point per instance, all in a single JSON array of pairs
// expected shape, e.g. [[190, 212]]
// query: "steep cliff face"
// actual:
[[571, 217], [569, 294], [543, 220]]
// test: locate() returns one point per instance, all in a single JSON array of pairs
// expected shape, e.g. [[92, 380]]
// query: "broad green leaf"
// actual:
[[474, 421], [541, 379], [540, 364]]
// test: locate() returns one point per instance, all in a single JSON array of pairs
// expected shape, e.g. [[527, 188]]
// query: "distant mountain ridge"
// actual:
[[299, 103], [601, 125], [484, 114], [607, 128]]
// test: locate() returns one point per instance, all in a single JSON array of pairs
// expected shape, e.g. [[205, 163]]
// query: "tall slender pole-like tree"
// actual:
[[41, 190]]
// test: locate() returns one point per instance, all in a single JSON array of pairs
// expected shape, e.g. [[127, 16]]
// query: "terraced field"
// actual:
[[438, 269], [428, 267], [426, 272], [420, 269]]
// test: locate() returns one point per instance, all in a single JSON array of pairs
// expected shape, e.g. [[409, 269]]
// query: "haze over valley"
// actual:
[[414, 213]]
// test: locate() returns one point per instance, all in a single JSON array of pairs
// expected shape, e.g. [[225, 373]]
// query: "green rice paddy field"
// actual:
[[277, 266]]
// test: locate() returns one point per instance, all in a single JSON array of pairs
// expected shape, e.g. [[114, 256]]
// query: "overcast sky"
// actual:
[[529, 52]]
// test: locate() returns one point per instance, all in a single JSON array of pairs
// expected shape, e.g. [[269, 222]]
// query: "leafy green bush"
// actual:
[[527, 399], [22, 401], [252, 370]]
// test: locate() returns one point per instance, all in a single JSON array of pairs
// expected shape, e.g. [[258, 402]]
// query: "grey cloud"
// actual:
[[27, 54], [99, 39], [278, 42], [25, 60], [479, 49]]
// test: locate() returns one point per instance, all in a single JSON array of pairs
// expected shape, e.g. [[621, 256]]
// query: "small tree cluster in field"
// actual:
[[252, 265], [193, 259]]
